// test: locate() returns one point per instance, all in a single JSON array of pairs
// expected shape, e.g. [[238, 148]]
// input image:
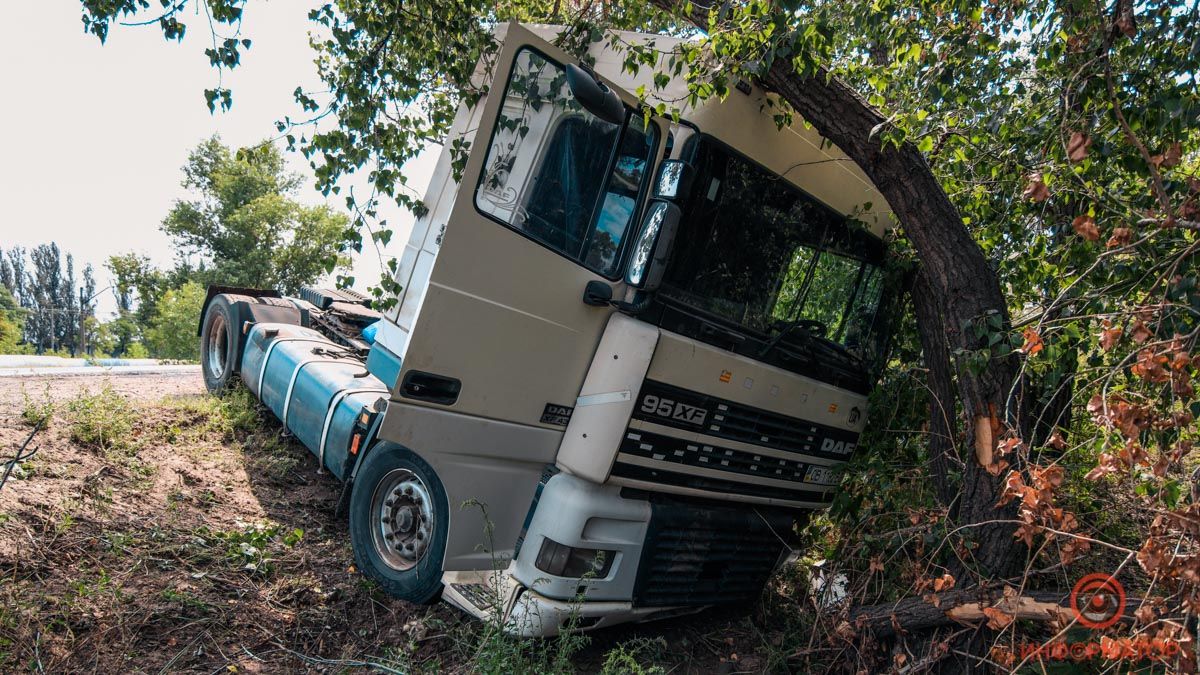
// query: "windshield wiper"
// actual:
[[813, 343], [784, 332], [710, 329]]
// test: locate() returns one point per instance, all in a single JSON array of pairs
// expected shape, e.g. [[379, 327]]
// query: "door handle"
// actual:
[[430, 387]]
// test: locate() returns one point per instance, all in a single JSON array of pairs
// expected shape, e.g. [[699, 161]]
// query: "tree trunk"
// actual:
[[943, 455], [958, 286], [958, 278]]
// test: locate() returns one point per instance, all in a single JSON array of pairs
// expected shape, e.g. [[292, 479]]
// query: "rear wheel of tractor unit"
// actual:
[[398, 520], [218, 343]]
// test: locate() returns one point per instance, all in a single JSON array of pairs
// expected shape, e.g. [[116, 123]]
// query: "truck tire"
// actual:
[[398, 520], [219, 342]]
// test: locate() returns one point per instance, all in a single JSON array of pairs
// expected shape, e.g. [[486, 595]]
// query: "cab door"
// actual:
[[548, 201]]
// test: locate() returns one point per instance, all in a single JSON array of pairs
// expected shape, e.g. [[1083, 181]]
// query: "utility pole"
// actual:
[[83, 304], [82, 333]]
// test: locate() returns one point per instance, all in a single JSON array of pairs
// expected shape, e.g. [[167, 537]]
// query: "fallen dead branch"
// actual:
[[971, 606]]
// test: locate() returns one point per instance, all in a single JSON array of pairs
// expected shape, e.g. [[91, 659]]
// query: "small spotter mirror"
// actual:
[[595, 96], [675, 179], [653, 245]]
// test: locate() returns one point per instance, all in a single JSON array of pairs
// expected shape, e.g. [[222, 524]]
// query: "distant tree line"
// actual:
[[45, 306], [241, 225]]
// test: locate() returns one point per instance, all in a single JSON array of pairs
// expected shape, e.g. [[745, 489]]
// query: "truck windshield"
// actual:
[[764, 267]]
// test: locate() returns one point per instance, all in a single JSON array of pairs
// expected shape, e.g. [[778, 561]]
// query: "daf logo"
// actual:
[[665, 407], [837, 447]]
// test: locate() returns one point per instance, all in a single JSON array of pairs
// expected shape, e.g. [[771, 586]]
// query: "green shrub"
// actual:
[[635, 657], [172, 330], [35, 411], [103, 419]]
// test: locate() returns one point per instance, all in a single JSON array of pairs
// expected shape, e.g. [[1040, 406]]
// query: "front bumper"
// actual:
[[668, 558], [498, 597]]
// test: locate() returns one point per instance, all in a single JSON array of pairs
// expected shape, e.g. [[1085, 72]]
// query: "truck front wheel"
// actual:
[[398, 520]]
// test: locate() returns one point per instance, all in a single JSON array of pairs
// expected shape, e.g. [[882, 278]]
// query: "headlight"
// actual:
[[566, 561]]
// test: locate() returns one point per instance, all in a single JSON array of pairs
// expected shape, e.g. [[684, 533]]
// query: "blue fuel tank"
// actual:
[[313, 385]]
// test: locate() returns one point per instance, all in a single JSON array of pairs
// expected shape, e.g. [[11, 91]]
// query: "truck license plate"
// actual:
[[821, 475]]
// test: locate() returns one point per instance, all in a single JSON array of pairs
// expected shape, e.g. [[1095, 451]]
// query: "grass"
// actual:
[[188, 533], [638, 656], [230, 416], [102, 420], [274, 458], [35, 411], [248, 544]]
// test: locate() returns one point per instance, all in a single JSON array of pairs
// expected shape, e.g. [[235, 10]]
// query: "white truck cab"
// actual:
[[629, 352]]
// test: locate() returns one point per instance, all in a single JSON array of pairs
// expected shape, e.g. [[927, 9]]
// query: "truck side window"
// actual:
[[560, 175]]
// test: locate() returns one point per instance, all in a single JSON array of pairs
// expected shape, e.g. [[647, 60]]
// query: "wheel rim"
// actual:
[[218, 343], [403, 514]]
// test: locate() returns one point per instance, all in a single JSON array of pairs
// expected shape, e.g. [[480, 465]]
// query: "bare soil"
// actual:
[[206, 542]]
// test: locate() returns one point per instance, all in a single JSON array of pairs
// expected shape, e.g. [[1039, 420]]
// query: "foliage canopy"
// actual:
[[245, 225]]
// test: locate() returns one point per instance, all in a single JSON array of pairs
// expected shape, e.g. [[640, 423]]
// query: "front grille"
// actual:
[[694, 482], [683, 409], [661, 448], [707, 556]]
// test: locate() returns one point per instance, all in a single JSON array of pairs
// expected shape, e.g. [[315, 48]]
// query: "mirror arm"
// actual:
[[599, 294], [639, 305]]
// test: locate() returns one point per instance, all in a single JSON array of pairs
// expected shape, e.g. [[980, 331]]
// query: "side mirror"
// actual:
[[675, 178], [653, 245], [594, 95]]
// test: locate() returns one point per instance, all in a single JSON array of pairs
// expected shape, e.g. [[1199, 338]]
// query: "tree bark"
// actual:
[[943, 456]]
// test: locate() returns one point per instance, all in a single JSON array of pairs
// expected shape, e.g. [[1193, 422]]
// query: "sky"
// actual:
[[95, 135]]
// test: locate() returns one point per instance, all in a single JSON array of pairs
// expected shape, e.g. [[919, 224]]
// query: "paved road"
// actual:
[[98, 371], [137, 383]]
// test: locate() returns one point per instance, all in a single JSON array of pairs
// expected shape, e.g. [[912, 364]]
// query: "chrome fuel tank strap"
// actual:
[[333, 405]]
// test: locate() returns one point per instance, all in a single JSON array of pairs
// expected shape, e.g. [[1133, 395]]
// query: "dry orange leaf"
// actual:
[[1004, 656], [1077, 146], [1085, 226], [1057, 441], [1036, 189], [1144, 614], [1008, 445], [1033, 342], [1109, 337], [1121, 236], [943, 583], [1026, 532], [997, 620], [1172, 156], [1107, 465], [1140, 332]]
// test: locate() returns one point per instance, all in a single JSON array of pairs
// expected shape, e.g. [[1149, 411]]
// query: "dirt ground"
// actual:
[[159, 529]]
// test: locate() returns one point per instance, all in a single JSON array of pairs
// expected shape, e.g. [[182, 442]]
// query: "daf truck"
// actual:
[[629, 353]]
